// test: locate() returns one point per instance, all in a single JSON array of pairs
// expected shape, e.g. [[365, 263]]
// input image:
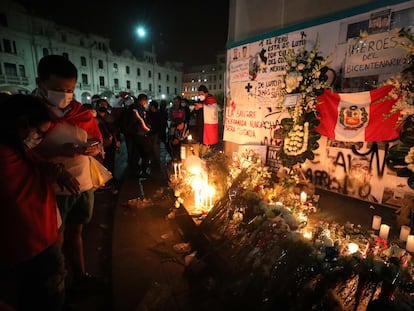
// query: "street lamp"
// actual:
[[142, 34]]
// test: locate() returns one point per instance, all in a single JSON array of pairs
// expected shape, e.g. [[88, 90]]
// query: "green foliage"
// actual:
[[400, 157]]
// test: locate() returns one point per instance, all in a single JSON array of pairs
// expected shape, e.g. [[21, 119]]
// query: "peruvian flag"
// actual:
[[357, 117], [210, 115]]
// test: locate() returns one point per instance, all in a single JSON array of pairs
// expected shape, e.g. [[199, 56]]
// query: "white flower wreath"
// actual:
[[306, 76]]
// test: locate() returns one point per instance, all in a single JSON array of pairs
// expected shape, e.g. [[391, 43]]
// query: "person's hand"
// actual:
[[66, 180], [198, 106], [175, 141], [92, 151]]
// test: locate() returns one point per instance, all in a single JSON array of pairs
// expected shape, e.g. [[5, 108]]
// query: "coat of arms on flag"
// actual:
[[353, 117], [357, 117]]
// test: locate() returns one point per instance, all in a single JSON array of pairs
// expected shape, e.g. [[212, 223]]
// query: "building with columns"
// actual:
[[25, 39]]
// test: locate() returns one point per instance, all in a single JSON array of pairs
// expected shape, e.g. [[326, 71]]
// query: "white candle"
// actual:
[[404, 233], [353, 248], [183, 152], [179, 169], [410, 243], [376, 222], [303, 197], [196, 198], [175, 169], [210, 192], [384, 231]]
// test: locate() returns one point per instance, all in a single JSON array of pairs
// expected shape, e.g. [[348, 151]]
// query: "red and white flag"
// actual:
[[357, 117], [210, 115]]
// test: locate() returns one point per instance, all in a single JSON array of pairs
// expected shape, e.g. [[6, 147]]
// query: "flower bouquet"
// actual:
[[305, 75]]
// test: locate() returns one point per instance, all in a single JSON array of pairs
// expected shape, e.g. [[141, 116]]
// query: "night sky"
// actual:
[[188, 31]]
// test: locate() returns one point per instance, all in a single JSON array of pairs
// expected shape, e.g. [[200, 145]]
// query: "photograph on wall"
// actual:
[[379, 21]]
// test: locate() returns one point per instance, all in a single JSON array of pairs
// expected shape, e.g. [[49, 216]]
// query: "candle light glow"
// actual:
[[353, 248], [410, 243], [376, 222], [384, 231], [307, 235], [303, 197], [404, 233]]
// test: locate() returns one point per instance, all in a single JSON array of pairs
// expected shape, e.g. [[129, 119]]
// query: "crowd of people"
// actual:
[[47, 140]]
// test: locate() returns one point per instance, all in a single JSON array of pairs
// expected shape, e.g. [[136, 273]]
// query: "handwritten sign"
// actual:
[[272, 158], [379, 54], [243, 125]]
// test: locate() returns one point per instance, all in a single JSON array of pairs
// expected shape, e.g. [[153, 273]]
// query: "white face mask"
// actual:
[[59, 99], [202, 97], [32, 140]]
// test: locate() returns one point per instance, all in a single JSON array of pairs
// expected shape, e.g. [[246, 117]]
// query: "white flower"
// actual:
[[292, 81], [301, 66], [316, 74]]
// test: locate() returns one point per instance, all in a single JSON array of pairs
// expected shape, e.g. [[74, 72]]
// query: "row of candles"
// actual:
[[203, 193], [177, 170], [384, 231], [198, 179]]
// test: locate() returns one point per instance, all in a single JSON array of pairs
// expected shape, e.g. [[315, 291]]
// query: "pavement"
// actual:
[[139, 256], [142, 257]]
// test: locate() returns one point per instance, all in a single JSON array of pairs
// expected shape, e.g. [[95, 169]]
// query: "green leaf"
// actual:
[[396, 163], [407, 137], [399, 149], [405, 172], [314, 123], [287, 122], [410, 182], [310, 155]]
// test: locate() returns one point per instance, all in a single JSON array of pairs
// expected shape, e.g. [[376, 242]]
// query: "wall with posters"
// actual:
[[362, 50]]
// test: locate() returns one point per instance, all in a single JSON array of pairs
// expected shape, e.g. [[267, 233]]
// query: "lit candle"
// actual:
[[404, 233], [179, 169], [196, 199], [183, 152], [303, 197], [307, 235], [189, 137], [175, 169], [353, 248], [376, 222], [384, 231], [410, 243], [210, 191]]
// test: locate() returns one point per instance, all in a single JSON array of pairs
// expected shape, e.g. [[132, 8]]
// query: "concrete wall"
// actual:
[[250, 18]]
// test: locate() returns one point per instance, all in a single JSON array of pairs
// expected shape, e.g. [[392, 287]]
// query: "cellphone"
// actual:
[[93, 143]]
